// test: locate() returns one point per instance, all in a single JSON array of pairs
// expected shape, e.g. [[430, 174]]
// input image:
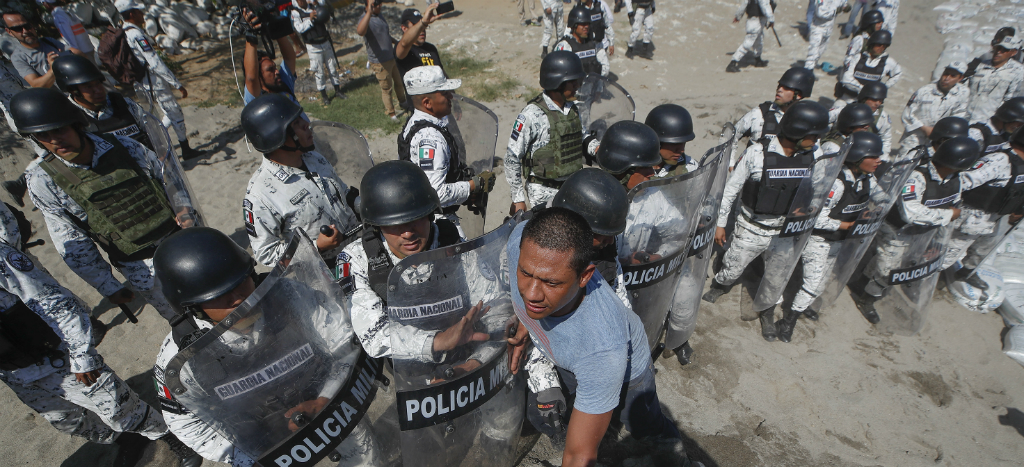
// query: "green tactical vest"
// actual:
[[563, 155], [127, 210], [676, 170], [834, 136]]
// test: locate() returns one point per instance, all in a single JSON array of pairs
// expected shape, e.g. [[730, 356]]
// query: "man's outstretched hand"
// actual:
[[462, 332]]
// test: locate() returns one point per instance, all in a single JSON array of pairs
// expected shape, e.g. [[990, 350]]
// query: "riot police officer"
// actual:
[[309, 19], [103, 190], [546, 144], [107, 112], [928, 201], [873, 94], [993, 133], [763, 120], [760, 16], [846, 202], [294, 187], [582, 42], [853, 118], [873, 64], [674, 127], [427, 140], [766, 196]]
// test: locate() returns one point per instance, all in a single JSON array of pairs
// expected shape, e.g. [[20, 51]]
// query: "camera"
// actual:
[[271, 24]]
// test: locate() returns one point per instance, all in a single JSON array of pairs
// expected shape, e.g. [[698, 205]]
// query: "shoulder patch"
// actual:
[[144, 43], [19, 261], [295, 200], [978, 165], [249, 219], [909, 192], [425, 154], [517, 127]]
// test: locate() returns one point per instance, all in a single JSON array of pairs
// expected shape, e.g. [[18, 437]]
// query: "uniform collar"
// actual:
[[283, 172], [434, 233], [101, 147], [418, 115], [553, 106], [106, 110], [934, 174]]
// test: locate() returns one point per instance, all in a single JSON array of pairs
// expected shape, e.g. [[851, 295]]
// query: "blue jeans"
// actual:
[[639, 409], [855, 14]]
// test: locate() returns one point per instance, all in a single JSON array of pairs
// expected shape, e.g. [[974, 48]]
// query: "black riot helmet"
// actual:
[[875, 90], [880, 36], [1017, 138], [266, 121], [396, 192], [800, 79], [71, 70], [865, 144], [854, 115], [803, 119], [871, 18], [948, 127], [324, 13], [1011, 111], [959, 153], [598, 197], [558, 67], [672, 123], [578, 15], [628, 144], [35, 110], [199, 264]]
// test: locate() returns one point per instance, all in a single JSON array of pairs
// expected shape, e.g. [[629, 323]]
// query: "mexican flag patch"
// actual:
[[426, 157]]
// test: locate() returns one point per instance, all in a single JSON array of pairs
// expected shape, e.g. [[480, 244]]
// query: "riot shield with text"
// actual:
[[859, 237], [694, 272], [783, 253], [601, 103], [283, 377], [909, 258], [179, 192], [457, 406], [345, 148], [475, 128], [663, 215]]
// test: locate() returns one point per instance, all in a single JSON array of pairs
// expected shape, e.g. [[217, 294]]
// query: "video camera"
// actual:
[[272, 24]]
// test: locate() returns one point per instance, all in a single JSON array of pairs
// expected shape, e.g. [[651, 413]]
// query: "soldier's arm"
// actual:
[[911, 209], [847, 78], [824, 222], [145, 52], [620, 282], [735, 184], [518, 145], [961, 102], [542, 373], [264, 224], [563, 45], [909, 115], [744, 127], [429, 141], [300, 24], [73, 244], [894, 71], [609, 19], [986, 170], [885, 131], [766, 7]]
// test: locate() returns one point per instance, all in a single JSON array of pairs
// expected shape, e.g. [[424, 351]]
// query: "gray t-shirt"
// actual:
[[33, 61], [378, 40], [602, 343]]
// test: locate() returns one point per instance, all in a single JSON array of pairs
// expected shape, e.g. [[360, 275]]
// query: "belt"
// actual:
[[450, 209], [556, 184], [752, 221]]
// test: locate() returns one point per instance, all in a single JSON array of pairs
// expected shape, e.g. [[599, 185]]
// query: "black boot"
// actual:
[[629, 52], [324, 99], [734, 67], [17, 189], [866, 304], [768, 331], [647, 50], [967, 275], [337, 92], [760, 63], [544, 52], [683, 353], [810, 314], [132, 446], [787, 324], [716, 291], [187, 152], [188, 457]]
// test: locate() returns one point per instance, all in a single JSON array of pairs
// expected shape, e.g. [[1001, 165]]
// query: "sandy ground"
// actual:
[[841, 394]]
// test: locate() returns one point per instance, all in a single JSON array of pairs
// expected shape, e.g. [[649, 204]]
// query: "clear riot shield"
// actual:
[[910, 258], [283, 377], [783, 253], [461, 407], [345, 148], [475, 128], [179, 192], [694, 271], [601, 103], [663, 215], [859, 237]]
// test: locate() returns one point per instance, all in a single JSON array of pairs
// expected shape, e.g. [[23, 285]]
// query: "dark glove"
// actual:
[[484, 182], [350, 198], [547, 410], [631, 15], [587, 156]]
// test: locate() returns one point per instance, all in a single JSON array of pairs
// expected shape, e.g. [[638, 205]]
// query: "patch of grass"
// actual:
[[480, 79], [172, 65], [229, 97]]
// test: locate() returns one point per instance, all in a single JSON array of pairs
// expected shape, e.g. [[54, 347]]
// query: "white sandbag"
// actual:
[[168, 44], [200, 11], [169, 22], [974, 299], [82, 10], [1012, 309], [1013, 344], [205, 28], [152, 27], [105, 12], [162, 3], [948, 6]]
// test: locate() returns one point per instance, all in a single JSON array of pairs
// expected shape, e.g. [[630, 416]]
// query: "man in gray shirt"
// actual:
[[380, 52], [597, 344], [33, 55]]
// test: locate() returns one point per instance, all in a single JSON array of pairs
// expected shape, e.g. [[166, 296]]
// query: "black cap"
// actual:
[[800, 79], [199, 264], [411, 15], [875, 90], [628, 144], [598, 197], [871, 17], [578, 15], [880, 36]]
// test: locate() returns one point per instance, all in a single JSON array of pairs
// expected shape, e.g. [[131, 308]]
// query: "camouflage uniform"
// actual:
[[530, 132], [429, 149], [751, 124], [993, 169], [926, 107], [159, 80], [991, 86]]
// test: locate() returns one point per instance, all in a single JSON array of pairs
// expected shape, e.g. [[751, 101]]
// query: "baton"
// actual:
[[128, 313], [776, 36]]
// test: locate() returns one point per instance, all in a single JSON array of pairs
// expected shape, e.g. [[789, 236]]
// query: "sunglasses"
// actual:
[[20, 27]]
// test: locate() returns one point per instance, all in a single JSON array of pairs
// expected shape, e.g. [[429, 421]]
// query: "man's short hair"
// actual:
[[12, 12], [562, 230]]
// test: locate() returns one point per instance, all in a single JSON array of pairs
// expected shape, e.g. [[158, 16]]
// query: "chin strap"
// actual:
[[298, 146]]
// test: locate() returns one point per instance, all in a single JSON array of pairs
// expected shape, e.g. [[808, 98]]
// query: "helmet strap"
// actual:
[[298, 146]]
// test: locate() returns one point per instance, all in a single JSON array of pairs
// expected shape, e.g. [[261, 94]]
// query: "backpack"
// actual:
[[118, 57]]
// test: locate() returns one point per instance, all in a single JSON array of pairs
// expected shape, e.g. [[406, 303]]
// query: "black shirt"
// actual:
[[419, 55]]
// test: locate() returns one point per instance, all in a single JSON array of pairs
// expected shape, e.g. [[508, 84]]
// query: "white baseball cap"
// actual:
[[958, 66], [427, 79], [46, 1], [127, 5], [1009, 43]]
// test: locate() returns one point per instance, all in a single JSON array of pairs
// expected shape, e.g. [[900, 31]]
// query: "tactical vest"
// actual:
[[378, 260], [607, 265], [121, 123], [317, 33], [30, 337], [1000, 200], [597, 23], [456, 165], [991, 142], [936, 196], [849, 207], [673, 170], [780, 178], [587, 52], [642, 4], [864, 73], [771, 123], [833, 136], [563, 155], [754, 9], [127, 210]]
